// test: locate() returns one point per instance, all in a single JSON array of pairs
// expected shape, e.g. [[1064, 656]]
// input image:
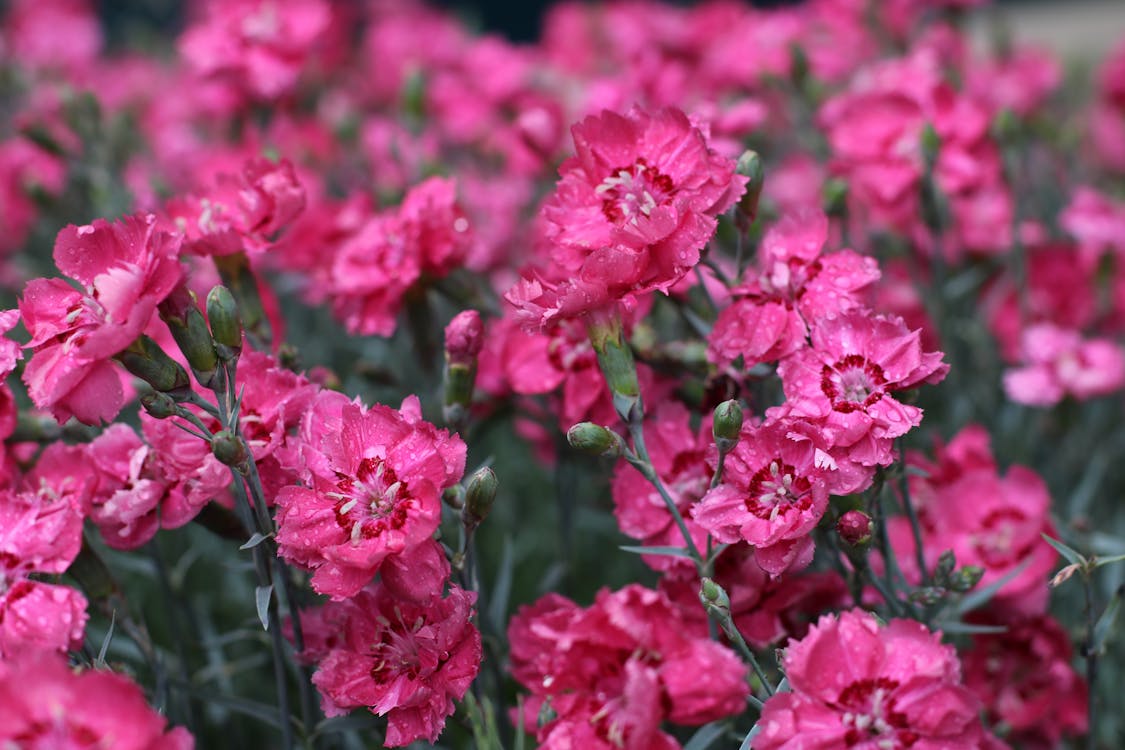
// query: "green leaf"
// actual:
[[502, 588], [357, 721], [668, 551], [980, 597], [706, 736], [254, 541], [1105, 621], [750, 737], [1100, 561], [967, 628], [1071, 555], [262, 596]]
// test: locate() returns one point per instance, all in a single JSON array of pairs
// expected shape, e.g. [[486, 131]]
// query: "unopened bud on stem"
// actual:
[[727, 425], [596, 440], [187, 326], [145, 359], [855, 528], [158, 405], [226, 326], [229, 448], [750, 166], [480, 494]]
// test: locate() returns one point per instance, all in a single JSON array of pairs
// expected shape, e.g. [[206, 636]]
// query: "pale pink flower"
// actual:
[[858, 684], [1059, 362], [1097, 222], [44, 703], [631, 213], [404, 659], [372, 489], [53, 35], [126, 269], [1020, 80]]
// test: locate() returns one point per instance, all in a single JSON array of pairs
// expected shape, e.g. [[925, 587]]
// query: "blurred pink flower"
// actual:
[[1059, 362]]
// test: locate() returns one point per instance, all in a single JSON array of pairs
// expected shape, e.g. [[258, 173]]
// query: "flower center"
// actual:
[[853, 383], [869, 712], [634, 191], [371, 502], [775, 487]]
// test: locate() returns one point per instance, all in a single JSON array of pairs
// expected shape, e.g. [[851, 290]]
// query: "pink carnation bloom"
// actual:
[[259, 45], [126, 500], [39, 533], [1097, 222], [372, 489], [611, 673], [1021, 80], [242, 212], [24, 167], [796, 285], [1026, 682], [774, 491], [631, 213], [845, 379], [858, 684], [404, 659], [46, 704], [680, 459], [1060, 363], [126, 269], [1107, 120], [56, 34]]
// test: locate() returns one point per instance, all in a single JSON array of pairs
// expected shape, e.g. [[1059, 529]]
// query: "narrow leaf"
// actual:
[[262, 596], [100, 662], [978, 598], [706, 736], [750, 737], [1105, 621], [1100, 561], [1071, 555], [668, 551], [502, 588], [967, 628], [254, 540]]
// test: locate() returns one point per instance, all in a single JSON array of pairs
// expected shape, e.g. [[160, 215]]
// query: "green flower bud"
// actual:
[[966, 578], [159, 405], [594, 439], [727, 425], [187, 326], [229, 448], [750, 166], [145, 359], [480, 494], [944, 568], [713, 597], [226, 326], [835, 197], [930, 142]]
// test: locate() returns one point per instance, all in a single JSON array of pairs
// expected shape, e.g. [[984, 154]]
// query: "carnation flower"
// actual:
[[44, 703], [126, 269], [1059, 363], [631, 213], [404, 659], [858, 684], [373, 482]]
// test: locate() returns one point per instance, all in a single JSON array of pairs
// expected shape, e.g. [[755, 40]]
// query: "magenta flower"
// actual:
[[404, 659], [797, 284], [1059, 363], [126, 269], [46, 704], [856, 684], [372, 489], [845, 379], [631, 213]]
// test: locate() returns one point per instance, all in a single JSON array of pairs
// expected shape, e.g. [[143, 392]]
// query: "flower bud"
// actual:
[[854, 527], [750, 166], [226, 326], [930, 142], [594, 439], [240, 280], [835, 197], [464, 337], [727, 425], [158, 405], [480, 494], [189, 329], [615, 359], [714, 599], [229, 448], [944, 568], [145, 359], [966, 578]]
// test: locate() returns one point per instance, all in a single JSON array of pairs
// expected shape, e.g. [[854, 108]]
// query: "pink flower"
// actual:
[[774, 491], [372, 489], [1059, 363], [631, 213], [44, 703], [464, 337], [126, 268], [128, 494], [796, 285], [24, 166], [611, 673], [857, 684], [258, 45], [679, 456], [406, 660], [57, 34], [845, 379], [1097, 222], [1020, 80]]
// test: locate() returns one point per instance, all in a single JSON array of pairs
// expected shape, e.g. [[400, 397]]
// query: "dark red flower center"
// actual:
[[775, 487], [633, 191], [372, 501], [853, 383], [868, 708]]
